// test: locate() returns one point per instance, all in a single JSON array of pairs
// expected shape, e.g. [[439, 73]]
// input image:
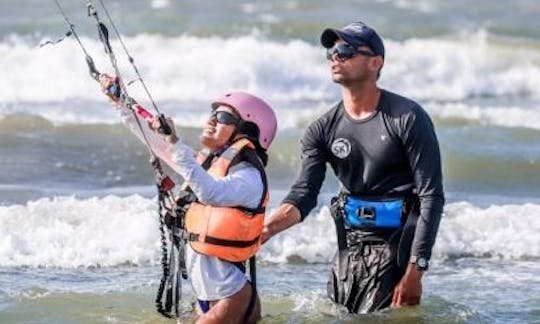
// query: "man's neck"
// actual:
[[361, 102]]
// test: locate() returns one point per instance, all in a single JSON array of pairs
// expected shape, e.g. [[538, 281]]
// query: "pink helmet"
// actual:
[[255, 110]]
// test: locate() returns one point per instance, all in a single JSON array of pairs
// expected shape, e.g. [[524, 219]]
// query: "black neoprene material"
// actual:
[[392, 153]]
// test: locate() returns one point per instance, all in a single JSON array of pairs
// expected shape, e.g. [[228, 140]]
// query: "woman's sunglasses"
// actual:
[[224, 117], [345, 51]]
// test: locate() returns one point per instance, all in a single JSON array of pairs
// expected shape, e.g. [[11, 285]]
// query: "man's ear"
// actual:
[[376, 63]]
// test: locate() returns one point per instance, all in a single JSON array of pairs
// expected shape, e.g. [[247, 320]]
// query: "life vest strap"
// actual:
[[223, 242], [252, 211]]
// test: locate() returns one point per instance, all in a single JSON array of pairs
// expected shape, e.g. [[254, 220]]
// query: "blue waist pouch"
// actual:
[[365, 213]]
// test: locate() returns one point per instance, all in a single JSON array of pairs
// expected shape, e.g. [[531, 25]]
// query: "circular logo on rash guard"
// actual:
[[341, 148]]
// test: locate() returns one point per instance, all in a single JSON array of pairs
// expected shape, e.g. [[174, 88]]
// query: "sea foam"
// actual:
[[185, 73], [71, 232]]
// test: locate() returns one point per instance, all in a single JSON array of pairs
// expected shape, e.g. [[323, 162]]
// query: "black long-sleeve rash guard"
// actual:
[[391, 153]]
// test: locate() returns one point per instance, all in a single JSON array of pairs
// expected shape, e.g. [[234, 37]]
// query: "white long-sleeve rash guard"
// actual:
[[211, 277], [243, 185]]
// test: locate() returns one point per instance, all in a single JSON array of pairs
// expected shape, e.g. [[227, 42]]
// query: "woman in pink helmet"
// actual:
[[225, 184]]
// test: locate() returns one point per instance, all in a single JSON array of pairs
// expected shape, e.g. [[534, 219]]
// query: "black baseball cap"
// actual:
[[355, 34]]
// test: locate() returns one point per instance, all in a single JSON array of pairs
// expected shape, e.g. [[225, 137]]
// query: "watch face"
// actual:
[[421, 263]]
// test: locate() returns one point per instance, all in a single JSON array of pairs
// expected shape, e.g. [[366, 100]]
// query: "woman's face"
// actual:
[[219, 128]]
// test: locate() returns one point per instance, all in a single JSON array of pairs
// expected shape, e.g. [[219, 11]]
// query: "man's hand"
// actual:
[[409, 289], [266, 234], [284, 217]]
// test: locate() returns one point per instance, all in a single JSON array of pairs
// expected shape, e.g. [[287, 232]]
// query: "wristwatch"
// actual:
[[422, 263]]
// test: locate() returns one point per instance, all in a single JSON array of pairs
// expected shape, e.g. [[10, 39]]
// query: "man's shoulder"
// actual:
[[398, 106], [402, 114], [328, 117]]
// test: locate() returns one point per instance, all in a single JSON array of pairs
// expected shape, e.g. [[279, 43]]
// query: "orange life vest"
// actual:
[[229, 233]]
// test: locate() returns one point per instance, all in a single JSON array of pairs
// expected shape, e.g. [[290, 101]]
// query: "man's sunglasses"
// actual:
[[345, 51], [224, 117]]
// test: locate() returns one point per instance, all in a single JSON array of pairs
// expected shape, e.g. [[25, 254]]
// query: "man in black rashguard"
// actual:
[[383, 149]]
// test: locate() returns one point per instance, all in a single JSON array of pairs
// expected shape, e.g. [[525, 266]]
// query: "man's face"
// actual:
[[349, 65]]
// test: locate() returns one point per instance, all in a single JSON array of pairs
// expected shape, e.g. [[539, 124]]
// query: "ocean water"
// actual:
[[79, 238]]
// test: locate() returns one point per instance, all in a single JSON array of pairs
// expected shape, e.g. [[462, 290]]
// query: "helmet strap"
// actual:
[[238, 129]]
